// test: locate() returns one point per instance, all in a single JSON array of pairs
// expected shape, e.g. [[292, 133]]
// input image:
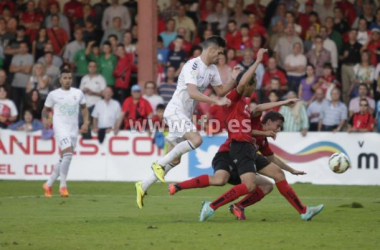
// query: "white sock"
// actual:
[[153, 179], [177, 151], [55, 174], [65, 165]]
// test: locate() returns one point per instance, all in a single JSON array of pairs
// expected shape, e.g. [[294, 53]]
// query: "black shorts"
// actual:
[[260, 162], [222, 161], [243, 154]]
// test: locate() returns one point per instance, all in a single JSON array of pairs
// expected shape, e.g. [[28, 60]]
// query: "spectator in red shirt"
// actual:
[[158, 119], [271, 72], [70, 7], [31, 20], [362, 121], [207, 10], [57, 36], [256, 45], [9, 4], [233, 36], [122, 73], [348, 11], [373, 45], [79, 12], [257, 29], [257, 9], [135, 111], [186, 46], [245, 38]]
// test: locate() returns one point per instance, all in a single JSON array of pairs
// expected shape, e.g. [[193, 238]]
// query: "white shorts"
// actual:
[[179, 124], [66, 142]]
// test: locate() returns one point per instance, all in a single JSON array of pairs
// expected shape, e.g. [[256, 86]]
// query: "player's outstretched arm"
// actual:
[[270, 105], [246, 80], [45, 116], [284, 166], [86, 118], [223, 89], [198, 96]]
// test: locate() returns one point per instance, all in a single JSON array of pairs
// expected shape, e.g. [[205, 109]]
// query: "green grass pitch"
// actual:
[[103, 215]]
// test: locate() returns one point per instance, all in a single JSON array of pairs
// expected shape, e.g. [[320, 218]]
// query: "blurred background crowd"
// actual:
[[325, 53]]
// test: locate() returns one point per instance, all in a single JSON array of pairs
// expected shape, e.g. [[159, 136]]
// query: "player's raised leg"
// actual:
[[274, 172], [143, 186], [192, 141]]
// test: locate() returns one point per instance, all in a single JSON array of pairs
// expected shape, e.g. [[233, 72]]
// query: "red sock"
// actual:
[[231, 195], [288, 192], [197, 182], [251, 198]]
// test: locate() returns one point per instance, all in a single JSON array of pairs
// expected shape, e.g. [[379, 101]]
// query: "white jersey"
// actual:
[[66, 104], [193, 72]]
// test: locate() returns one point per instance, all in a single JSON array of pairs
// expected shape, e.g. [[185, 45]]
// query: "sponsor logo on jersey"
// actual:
[[69, 110]]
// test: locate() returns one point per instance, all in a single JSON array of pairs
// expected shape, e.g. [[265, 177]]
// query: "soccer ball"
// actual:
[[339, 163]]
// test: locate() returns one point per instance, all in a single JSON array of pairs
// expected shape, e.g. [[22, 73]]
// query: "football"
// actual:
[[339, 163]]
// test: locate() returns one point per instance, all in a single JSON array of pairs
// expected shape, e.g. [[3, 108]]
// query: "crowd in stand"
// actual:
[[326, 54]]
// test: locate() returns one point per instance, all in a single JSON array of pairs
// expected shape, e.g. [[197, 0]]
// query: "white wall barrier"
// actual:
[[128, 156]]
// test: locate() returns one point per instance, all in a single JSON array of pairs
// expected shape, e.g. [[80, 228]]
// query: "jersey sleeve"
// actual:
[[266, 150], [49, 100], [190, 71], [216, 81], [82, 98], [234, 95]]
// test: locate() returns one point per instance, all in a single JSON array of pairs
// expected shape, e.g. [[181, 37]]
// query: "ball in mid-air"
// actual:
[[339, 163]]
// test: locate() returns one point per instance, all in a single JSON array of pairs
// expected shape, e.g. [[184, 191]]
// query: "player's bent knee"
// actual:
[[250, 187], [267, 188], [197, 141], [220, 181]]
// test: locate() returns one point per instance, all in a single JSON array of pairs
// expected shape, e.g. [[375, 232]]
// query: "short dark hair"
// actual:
[[64, 71], [276, 92], [313, 13], [273, 116], [21, 27], [160, 106], [328, 66], [107, 43], [159, 39], [112, 36], [150, 82], [214, 41], [318, 37], [232, 21], [244, 25]]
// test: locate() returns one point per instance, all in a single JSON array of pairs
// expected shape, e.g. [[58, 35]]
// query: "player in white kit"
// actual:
[[65, 102], [196, 75]]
